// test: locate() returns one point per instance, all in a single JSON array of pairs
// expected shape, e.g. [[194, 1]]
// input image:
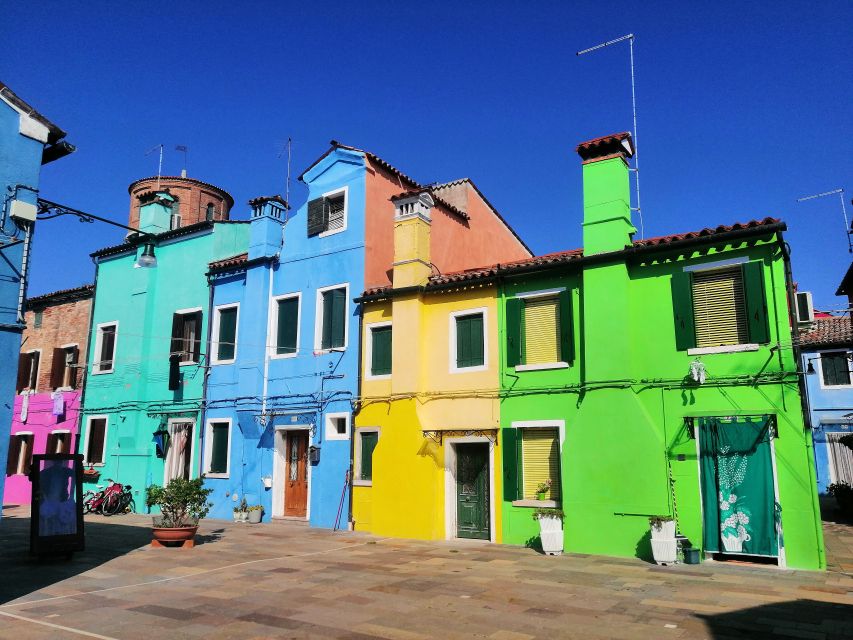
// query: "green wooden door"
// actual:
[[472, 491]]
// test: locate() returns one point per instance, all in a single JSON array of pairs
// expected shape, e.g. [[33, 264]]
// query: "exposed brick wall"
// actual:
[[62, 324], [193, 197]]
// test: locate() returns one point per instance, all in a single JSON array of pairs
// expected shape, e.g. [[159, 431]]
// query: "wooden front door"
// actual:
[[472, 491], [296, 478]]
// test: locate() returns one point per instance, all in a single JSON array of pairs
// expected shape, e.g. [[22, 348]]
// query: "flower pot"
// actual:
[[551, 535], [691, 555], [244, 516], [665, 551], [91, 477], [173, 535], [236, 516], [255, 516], [541, 496], [664, 530]]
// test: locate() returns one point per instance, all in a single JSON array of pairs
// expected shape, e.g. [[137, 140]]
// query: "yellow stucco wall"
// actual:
[[410, 471]]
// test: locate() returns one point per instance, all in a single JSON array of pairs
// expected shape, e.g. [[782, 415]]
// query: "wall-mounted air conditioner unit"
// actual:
[[805, 308]]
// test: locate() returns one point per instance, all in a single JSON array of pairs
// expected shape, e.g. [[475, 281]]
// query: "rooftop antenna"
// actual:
[[184, 149], [287, 147], [840, 193], [636, 169], [159, 164]]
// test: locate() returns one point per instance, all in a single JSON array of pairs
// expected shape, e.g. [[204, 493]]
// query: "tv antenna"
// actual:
[[287, 147], [185, 149], [159, 164], [636, 169], [840, 193]]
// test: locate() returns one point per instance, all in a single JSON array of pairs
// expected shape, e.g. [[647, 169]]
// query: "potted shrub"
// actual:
[[843, 494], [242, 512], [255, 512], [542, 489], [182, 504], [550, 530], [664, 545]]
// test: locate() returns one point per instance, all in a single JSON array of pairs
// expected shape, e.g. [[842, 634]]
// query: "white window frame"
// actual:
[[820, 369], [214, 347], [89, 420], [186, 312], [208, 447], [332, 194], [99, 335], [273, 325], [356, 480], [34, 389], [368, 375], [452, 341], [318, 319], [60, 432], [65, 347], [560, 425], [331, 432]]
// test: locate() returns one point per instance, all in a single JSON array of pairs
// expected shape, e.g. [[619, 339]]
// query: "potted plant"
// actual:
[[243, 512], [182, 504], [91, 474], [255, 512], [237, 513], [550, 530], [664, 545], [843, 494], [542, 489]]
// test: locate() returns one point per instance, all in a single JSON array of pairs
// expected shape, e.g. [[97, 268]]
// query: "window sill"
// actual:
[[542, 367], [384, 376], [336, 437], [216, 476], [326, 234], [100, 373], [729, 348], [187, 363], [320, 352], [283, 356], [472, 369], [216, 362], [93, 464], [542, 504], [362, 483]]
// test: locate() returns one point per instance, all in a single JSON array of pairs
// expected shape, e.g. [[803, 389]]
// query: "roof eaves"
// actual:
[[56, 133]]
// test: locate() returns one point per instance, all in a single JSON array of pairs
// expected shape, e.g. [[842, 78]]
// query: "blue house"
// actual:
[[28, 140], [285, 346], [827, 351]]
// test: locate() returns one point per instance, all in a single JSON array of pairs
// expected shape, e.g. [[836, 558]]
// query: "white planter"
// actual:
[[665, 551], [244, 516], [551, 534], [255, 516], [664, 531], [236, 516]]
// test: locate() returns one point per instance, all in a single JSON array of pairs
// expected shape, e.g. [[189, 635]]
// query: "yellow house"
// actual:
[[426, 463]]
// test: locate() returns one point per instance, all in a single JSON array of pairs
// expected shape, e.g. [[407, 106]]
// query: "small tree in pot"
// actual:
[[182, 504]]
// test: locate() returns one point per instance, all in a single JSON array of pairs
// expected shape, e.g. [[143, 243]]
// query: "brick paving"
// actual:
[[289, 581]]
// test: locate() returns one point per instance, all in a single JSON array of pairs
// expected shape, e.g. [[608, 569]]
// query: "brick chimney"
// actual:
[[606, 193]]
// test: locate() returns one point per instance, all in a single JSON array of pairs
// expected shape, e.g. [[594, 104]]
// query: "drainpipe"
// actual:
[[203, 409], [84, 378], [25, 264], [352, 432]]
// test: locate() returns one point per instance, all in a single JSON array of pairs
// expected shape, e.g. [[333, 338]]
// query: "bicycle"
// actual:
[[119, 500], [93, 500]]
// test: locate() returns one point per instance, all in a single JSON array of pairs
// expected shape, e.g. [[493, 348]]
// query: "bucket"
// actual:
[[691, 555]]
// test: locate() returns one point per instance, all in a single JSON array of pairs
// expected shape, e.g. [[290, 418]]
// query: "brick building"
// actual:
[[197, 201]]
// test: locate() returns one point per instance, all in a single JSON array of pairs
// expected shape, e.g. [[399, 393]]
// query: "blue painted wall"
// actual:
[[828, 408], [303, 389]]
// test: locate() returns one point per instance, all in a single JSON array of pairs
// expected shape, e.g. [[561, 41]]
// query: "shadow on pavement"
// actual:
[[800, 618]]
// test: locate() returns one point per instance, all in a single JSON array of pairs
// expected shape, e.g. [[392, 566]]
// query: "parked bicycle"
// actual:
[[108, 501]]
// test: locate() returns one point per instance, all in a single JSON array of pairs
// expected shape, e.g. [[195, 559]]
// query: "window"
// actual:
[[58, 442], [720, 307], [38, 316], [327, 214], [337, 426], [539, 330], [367, 441], [186, 335], [287, 325], [209, 212], [532, 452], [28, 370], [218, 448], [96, 440], [225, 333], [20, 454], [835, 368], [468, 340], [379, 350], [105, 346], [174, 221], [331, 329], [63, 370]]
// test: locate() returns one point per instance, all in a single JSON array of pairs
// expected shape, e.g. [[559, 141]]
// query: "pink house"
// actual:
[[50, 383]]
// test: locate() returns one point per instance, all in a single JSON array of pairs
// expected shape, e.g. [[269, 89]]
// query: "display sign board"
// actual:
[[56, 517]]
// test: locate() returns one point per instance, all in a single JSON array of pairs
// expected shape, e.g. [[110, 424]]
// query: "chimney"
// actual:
[[155, 211], [265, 229], [412, 222], [606, 193]]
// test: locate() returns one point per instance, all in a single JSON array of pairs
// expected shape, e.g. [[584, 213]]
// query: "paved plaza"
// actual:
[[285, 580]]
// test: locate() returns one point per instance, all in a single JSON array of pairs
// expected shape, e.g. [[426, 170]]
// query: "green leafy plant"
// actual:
[[543, 487], [840, 489], [657, 521], [548, 512], [182, 502], [256, 507]]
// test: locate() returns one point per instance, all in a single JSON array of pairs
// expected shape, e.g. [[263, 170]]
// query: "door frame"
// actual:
[[279, 469], [189, 453], [450, 484]]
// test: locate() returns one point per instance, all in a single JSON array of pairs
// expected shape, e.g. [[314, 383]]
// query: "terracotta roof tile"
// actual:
[[605, 146], [61, 296], [834, 331], [234, 261], [660, 240]]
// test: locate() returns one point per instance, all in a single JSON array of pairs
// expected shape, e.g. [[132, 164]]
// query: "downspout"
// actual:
[[203, 409], [351, 471], [25, 268], [87, 360]]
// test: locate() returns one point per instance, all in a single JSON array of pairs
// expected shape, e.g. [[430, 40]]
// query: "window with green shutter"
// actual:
[[470, 347], [367, 444], [287, 325], [334, 319], [540, 461], [539, 330], [226, 340], [835, 368], [380, 351], [219, 436]]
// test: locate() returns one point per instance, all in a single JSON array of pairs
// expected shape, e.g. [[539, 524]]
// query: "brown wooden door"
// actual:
[[296, 480]]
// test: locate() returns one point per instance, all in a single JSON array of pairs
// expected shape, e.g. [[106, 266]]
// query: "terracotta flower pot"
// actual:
[[166, 535]]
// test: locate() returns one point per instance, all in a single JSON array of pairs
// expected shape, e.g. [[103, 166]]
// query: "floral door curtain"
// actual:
[[738, 497]]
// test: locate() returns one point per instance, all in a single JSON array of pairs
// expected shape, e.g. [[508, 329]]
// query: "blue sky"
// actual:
[[743, 107]]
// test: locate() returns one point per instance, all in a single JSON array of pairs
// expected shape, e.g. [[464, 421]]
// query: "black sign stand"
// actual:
[[56, 517]]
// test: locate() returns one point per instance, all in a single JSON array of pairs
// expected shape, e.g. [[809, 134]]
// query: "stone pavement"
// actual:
[[284, 580]]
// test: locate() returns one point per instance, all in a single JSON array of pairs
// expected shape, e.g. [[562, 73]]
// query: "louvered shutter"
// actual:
[[72, 367], [718, 308], [513, 332], [219, 447], [316, 216], [177, 344], [337, 325], [541, 331], [34, 371], [195, 336], [755, 298], [23, 371], [227, 339], [469, 341], [835, 368], [682, 305], [335, 213], [567, 336], [57, 368], [288, 318], [380, 357], [369, 439], [511, 462], [541, 461]]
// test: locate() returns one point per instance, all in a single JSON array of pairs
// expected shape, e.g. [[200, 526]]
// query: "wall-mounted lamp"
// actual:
[[810, 368], [147, 260]]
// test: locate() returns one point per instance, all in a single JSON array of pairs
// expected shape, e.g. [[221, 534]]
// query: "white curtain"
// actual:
[[176, 456], [841, 458]]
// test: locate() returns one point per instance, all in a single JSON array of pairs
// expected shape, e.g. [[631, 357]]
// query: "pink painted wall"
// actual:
[[40, 422]]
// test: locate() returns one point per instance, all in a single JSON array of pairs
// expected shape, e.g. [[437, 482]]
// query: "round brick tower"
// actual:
[[197, 201]]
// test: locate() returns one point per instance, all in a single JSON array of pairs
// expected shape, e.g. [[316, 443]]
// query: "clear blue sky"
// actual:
[[742, 107]]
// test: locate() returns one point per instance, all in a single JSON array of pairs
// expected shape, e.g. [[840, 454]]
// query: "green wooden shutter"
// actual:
[[835, 368], [380, 357], [288, 321], [368, 445], [567, 336], [513, 332], [219, 447], [339, 313], [227, 338], [177, 345], [756, 302], [511, 464], [469, 341], [682, 305], [317, 216]]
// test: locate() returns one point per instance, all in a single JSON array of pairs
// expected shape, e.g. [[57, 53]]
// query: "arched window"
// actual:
[[209, 213]]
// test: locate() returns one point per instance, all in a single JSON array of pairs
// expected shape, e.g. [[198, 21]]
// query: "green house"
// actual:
[[656, 377]]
